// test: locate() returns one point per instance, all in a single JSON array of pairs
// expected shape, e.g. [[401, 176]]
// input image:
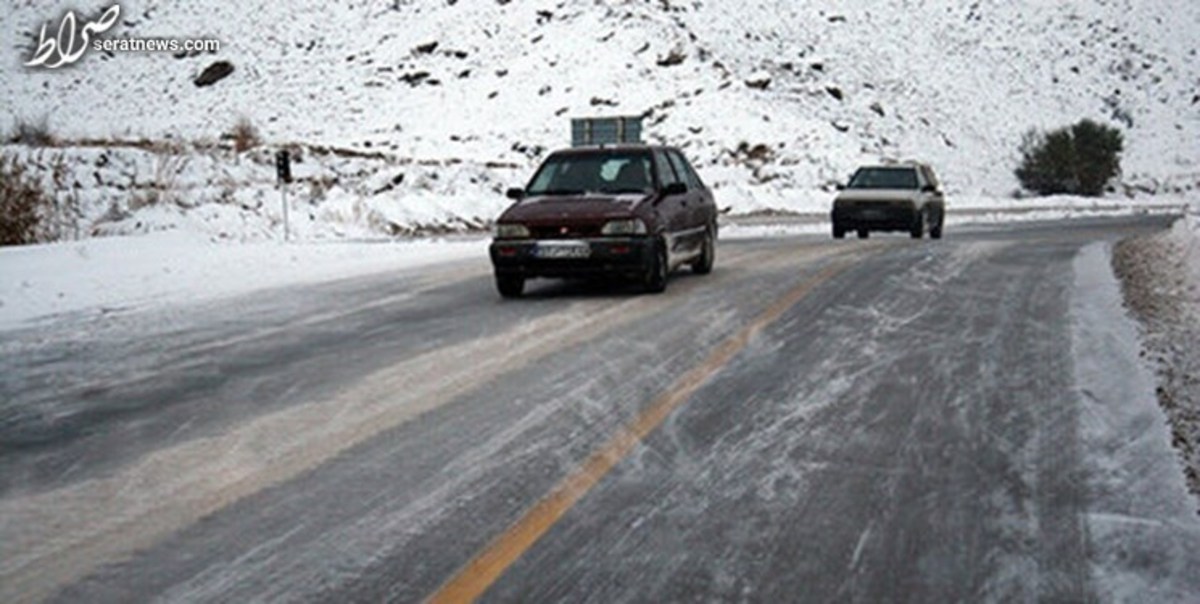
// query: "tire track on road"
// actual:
[[481, 572], [56, 537]]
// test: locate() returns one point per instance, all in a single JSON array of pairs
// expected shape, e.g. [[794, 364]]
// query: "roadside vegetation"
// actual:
[[244, 135], [33, 133], [1077, 160], [22, 202]]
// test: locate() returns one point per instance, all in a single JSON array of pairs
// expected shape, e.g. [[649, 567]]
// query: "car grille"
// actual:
[[574, 231], [876, 205]]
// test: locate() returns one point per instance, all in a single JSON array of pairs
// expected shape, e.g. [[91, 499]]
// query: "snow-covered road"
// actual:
[[882, 420]]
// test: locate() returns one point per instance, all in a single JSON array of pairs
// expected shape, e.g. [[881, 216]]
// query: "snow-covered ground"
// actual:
[[1161, 279], [954, 83], [415, 115], [97, 276], [215, 192], [1138, 508]]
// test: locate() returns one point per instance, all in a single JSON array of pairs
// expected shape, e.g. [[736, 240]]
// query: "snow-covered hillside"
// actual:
[[774, 100]]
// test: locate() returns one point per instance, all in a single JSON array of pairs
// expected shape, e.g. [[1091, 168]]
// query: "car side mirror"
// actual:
[[929, 189], [675, 188], [515, 194], [840, 186]]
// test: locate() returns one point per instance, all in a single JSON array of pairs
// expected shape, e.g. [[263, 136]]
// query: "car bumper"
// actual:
[[881, 217], [606, 257]]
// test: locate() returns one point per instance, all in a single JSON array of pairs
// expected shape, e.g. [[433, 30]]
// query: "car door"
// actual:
[[939, 196], [691, 234], [671, 208], [701, 205], [932, 194]]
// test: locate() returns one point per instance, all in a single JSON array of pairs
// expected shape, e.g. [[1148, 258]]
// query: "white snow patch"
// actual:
[[778, 229], [1145, 536], [106, 274], [957, 87]]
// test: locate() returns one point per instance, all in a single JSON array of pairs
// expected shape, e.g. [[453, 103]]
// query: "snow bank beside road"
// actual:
[[119, 273], [1186, 234], [129, 190], [1141, 520], [184, 264], [1161, 278]]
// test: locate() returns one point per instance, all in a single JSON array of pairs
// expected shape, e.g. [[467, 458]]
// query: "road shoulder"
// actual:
[[1163, 297], [1141, 520]]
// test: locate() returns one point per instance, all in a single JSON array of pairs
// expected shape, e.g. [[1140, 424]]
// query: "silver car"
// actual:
[[897, 197]]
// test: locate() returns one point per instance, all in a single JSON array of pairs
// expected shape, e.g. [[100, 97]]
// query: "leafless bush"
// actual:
[[34, 133], [22, 203], [166, 147], [61, 216], [145, 198], [318, 188], [244, 135], [164, 187]]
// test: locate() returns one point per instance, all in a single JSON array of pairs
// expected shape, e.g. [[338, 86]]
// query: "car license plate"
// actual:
[[872, 215], [563, 249]]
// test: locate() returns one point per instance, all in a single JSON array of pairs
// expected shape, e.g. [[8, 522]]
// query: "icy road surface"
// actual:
[[882, 420]]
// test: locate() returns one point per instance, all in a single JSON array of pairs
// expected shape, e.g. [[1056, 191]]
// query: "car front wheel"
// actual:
[[936, 231], [918, 227], [655, 280], [708, 255]]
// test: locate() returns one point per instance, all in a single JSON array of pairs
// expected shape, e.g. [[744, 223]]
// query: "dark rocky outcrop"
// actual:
[[213, 73]]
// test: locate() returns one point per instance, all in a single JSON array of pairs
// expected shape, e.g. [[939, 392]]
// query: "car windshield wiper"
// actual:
[[559, 192], [624, 190]]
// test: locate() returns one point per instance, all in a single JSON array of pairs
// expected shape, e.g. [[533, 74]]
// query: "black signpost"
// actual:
[[283, 176]]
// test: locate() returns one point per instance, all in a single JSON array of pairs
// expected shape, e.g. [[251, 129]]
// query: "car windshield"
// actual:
[[580, 173], [884, 178]]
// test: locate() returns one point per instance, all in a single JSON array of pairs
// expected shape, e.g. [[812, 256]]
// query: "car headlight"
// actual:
[[512, 231], [632, 226]]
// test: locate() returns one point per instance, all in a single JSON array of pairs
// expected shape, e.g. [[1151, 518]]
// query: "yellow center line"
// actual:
[[473, 579]]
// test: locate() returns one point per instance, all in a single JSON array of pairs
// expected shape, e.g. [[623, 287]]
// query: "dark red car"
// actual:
[[629, 211]]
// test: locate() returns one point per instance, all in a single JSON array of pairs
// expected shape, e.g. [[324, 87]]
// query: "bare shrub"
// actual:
[[164, 187], [22, 202], [318, 188], [34, 133], [244, 135], [166, 147], [63, 212]]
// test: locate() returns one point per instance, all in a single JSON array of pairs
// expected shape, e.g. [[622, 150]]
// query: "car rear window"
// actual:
[[884, 178]]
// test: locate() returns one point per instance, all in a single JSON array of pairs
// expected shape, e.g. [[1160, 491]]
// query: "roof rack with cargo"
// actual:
[[587, 131]]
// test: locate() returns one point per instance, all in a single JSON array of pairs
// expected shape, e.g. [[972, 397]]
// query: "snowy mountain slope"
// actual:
[[837, 83]]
